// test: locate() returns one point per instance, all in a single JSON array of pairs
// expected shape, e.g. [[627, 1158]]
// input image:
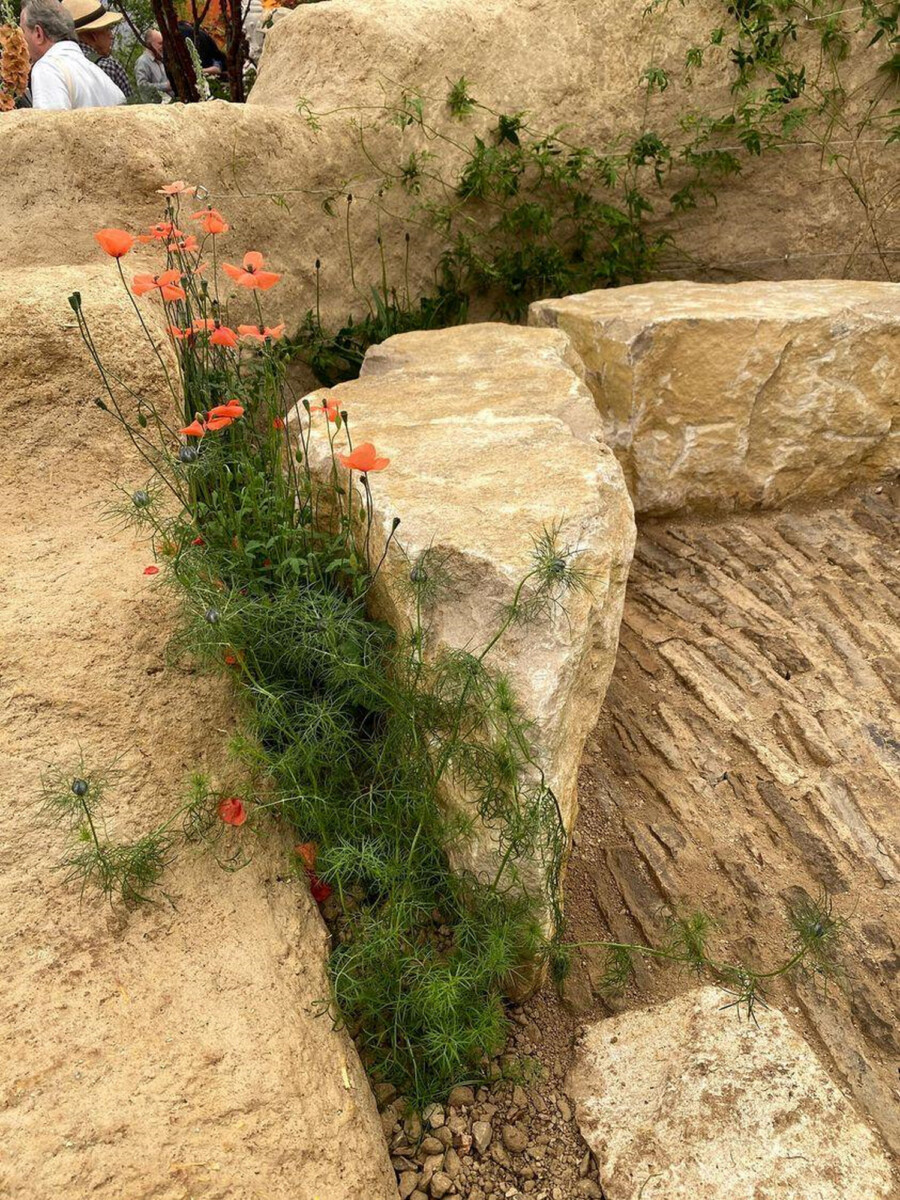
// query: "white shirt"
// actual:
[[64, 78]]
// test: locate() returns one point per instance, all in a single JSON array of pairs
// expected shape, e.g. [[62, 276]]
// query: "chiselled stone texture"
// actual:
[[687, 1101], [734, 396], [748, 756], [493, 438]]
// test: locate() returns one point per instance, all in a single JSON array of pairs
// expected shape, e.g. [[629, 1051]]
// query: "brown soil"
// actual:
[[172, 1051]]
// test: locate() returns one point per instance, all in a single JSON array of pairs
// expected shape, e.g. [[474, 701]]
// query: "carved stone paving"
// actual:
[[748, 752]]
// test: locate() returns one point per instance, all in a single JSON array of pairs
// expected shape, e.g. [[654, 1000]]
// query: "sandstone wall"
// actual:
[[574, 61], [578, 63], [174, 1050]]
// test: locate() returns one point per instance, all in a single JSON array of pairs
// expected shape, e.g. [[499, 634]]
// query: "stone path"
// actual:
[[749, 753]]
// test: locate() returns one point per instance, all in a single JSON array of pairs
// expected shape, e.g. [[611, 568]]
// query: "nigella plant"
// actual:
[[123, 870]]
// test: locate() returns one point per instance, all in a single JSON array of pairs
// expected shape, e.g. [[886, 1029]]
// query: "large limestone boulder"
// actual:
[[688, 1101], [493, 438], [174, 1050], [736, 396]]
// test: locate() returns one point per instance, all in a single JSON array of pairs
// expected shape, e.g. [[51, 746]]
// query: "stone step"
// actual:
[[723, 397]]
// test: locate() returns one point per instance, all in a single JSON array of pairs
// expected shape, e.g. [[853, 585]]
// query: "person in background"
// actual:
[[96, 28], [149, 73], [212, 60], [61, 76]]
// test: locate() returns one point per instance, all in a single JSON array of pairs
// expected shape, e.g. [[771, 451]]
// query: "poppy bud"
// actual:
[[188, 454], [80, 787], [212, 615], [142, 421], [101, 404], [141, 499], [318, 264]]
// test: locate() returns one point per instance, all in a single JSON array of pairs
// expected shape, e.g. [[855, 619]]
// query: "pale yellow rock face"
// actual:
[[493, 438], [569, 62], [737, 396], [578, 64], [688, 1101]]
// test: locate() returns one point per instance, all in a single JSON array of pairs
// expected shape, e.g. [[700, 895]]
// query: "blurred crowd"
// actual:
[[76, 62]]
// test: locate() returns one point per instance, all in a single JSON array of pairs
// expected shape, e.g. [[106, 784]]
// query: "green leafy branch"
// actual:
[[814, 953]]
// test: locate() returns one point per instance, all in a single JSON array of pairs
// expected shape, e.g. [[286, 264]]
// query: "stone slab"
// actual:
[[689, 1101], [721, 397]]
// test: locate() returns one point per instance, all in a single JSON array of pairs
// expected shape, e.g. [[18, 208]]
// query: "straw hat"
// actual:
[[88, 14]]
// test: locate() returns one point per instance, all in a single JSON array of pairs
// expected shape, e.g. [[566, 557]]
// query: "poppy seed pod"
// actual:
[[80, 787]]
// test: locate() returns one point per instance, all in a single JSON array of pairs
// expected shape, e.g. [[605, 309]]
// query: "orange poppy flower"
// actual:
[[278, 423], [198, 541], [178, 188], [195, 429], [363, 459], [251, 274], [331, 409], [116, 242], [151, 570], [185, 245], [180, 335], [307, 852], [223, 415], [212, 220], [223, 336], [161, 232], [166, 284], [260, 332], [232, 811]]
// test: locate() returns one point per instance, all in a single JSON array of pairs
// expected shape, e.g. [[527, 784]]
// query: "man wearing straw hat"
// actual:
[[61, 76], [96, 27]]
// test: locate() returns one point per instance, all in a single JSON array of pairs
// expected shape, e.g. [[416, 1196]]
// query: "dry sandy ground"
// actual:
[[171, 1052]]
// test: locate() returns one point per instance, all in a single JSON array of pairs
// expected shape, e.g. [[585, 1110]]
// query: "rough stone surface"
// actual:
[[746, 760], [493, 438], [75, 172], [174, 1050], [688, 1102], [586, 76], [733, 396]]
